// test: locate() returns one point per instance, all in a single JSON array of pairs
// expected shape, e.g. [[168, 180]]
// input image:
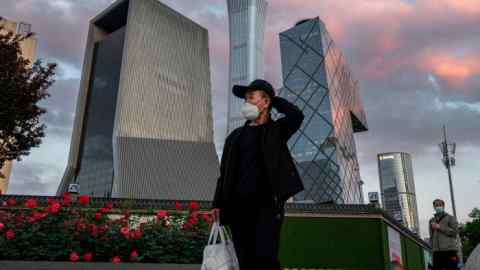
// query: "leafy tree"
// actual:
[[470, 233], [22, 86]]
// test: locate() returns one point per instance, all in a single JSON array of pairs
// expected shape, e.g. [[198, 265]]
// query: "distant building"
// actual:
[[29, 49], [143, 127], [247, 29], [317, 79], [398, 188]]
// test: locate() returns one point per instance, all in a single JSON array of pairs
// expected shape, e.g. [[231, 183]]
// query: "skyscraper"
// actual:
[[317, 79], [398, 188], [247, 26], [143, 126], [29, 48]]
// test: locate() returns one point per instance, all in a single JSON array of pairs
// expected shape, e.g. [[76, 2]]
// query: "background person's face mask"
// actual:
[[439, 209]]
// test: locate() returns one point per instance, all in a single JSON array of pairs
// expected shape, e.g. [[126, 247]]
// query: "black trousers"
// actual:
[[256, 237], [445, 260]]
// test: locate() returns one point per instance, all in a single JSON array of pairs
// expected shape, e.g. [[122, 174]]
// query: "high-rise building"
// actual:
[[143, 126], [29, 48], [317, 79], [398, 188], [247, 26]]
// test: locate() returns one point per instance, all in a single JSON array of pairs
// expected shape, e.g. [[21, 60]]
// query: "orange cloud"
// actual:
[[454, 70]]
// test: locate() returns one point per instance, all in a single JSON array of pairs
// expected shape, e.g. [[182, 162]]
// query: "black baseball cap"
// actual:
[[258, 84]]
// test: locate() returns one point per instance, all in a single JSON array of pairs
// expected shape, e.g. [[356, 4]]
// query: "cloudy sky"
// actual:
[[417, 62]]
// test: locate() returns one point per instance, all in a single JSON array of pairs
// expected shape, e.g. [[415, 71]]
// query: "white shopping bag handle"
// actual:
[[216, 230]]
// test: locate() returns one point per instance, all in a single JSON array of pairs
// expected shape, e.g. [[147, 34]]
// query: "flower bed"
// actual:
[[69, 230]]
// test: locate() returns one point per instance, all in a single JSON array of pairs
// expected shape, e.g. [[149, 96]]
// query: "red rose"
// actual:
[[31, 220], [192, 221], [133, 255], [31, 203], [206, 217], [98, 216], [161, 214], [178, 205], [54, 208], [74, 257], [1, 226], [10, 234], [66, 199], [193, 206], [11, 202], [116, 260], [84, 199], [104, 210], [138, 234], [88, 256], [19, 219], [39, 215], [109, 205], [125, 231]]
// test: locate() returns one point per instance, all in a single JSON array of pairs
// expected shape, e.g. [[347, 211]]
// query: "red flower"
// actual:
[[39, 215], [133, 255], [1, 226], [109, 205], [193, 206], [206, 217], [116, 260], [161, 214], [10, 234], [54, 208], [192, 220], [98, 216], [138, 234], [125, 231], [31, 220], [66, 199], [178, 205], [88, 256], [11, 202], [104, 210], [84, 200], [31, 203], [74, 257]]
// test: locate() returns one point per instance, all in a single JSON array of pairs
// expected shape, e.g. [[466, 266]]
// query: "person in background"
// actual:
[[443, 230]]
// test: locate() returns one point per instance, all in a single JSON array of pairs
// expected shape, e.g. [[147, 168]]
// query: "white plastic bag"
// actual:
[[219, 256]]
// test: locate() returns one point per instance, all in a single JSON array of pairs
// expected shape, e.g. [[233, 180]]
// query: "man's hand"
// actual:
[[435, 226], [216, 214]]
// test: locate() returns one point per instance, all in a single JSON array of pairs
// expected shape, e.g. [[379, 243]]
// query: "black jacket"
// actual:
[[283, 175]]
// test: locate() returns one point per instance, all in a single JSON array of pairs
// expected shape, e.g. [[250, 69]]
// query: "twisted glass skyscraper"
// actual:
[[398, 188], [247, 27], [317, 79]]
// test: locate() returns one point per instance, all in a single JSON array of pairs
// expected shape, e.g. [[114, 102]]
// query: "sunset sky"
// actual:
[[417, 63]]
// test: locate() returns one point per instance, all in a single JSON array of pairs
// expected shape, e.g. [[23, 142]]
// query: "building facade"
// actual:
[[143, 126], [317, 79], [398, 188], [246, 27], [29, 48]]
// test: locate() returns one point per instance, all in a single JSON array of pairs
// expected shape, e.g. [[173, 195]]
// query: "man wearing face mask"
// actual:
[[257, 176], [443, 238]]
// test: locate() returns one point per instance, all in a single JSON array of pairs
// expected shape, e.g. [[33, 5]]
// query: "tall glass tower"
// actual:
[[398, 188], [317, 79], [247, 27]]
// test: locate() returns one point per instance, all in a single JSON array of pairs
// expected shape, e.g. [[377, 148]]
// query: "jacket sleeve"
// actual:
[[452, 227], [291, 122], [217, 197]]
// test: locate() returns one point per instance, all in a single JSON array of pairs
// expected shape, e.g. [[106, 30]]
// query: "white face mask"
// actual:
[[250, 111]]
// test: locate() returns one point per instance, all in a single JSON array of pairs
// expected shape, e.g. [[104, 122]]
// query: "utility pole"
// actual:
[[448, 153], [448, 159]]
